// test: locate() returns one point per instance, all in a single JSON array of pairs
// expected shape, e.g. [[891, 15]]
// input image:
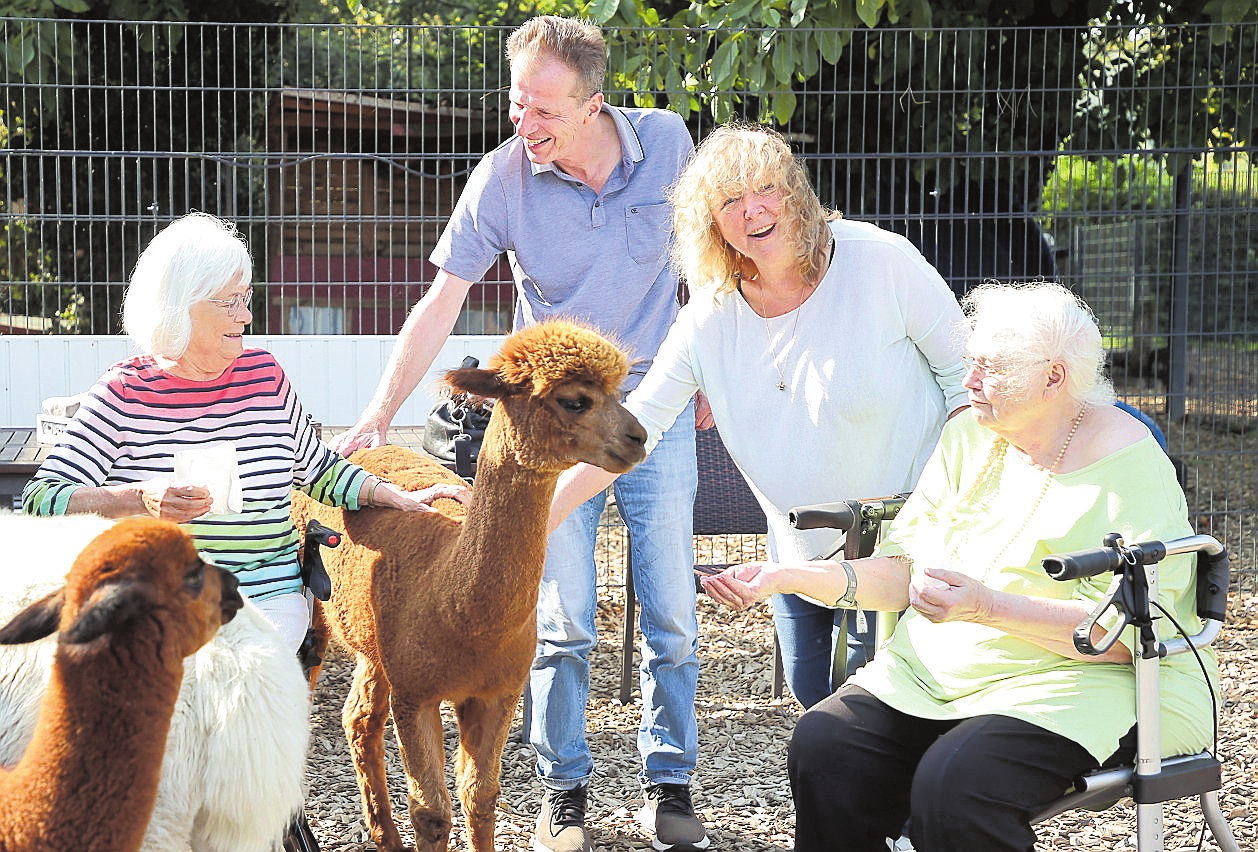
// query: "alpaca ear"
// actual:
[[109, 607], [38, 620], [478, 382]]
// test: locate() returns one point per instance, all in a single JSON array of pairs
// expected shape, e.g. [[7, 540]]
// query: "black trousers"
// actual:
[[859, 769]]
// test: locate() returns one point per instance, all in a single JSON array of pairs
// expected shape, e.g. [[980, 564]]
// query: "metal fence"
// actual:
[[1114, 160]]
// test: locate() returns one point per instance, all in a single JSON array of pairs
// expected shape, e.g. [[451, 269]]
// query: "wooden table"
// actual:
[[20, 456]]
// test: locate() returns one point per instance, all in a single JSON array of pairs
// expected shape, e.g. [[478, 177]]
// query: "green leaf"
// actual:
[[739, 11], [754, 71], [799, 8], [809, 62], [831, 43], [601, 11], [679, 102], [783, 106], [784, 61], [723, 64], [868, 11], [76, 6]]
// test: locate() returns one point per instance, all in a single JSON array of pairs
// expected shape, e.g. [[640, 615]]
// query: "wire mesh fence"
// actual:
[[1114, 160]]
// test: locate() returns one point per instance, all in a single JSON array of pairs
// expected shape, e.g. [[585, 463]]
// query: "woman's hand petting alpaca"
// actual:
[[390, 496], [740, 586], [943, 595]]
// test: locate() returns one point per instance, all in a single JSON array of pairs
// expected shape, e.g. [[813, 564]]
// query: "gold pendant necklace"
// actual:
[[764, 311], [773, 354]]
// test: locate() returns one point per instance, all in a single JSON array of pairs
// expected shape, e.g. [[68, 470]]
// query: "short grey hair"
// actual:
[[1021, 326], [189, 260], [576, 43]]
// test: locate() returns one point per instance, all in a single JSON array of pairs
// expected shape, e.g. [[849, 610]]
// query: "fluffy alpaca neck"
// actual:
[[90, 773], [502, 546]]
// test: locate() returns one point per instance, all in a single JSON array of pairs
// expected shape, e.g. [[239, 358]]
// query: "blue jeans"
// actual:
[[656, 500], [807, 633]]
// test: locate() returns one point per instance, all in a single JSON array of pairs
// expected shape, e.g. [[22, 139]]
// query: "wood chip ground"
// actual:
[[741, 792]]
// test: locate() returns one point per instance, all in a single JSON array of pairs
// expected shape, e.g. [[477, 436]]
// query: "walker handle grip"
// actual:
[[1082, 563], [1098, 560], [837, 516]]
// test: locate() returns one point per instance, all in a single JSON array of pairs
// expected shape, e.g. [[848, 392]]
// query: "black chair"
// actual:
[[724, 505]]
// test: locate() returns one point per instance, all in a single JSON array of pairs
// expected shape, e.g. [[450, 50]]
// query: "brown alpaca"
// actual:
[[437, 609], [137, 601]]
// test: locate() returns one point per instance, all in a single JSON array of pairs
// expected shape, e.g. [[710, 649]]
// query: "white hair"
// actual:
[[189, 260], [1021, 326]]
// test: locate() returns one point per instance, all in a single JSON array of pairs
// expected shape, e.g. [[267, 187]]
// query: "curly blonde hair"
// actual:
[[732, 160]]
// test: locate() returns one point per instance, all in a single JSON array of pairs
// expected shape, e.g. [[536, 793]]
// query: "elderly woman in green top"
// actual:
[[979, 711]]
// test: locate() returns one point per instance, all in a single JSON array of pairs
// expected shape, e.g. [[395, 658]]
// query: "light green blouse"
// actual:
[[958, 670]]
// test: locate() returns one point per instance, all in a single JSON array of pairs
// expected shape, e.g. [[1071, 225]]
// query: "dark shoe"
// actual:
[[561, 822], [669, 815]]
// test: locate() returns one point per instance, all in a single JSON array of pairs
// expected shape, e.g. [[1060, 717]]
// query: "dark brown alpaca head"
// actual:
[[558, 391], [137, 572]]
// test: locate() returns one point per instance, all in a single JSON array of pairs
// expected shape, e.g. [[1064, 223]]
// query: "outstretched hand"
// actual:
[[943, 595], [392, 497], [358, 437], [740, 586]]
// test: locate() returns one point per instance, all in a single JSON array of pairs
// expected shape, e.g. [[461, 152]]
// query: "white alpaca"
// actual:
[[235, 757]]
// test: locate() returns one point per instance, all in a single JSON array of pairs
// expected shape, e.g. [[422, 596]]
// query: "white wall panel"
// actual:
[[335, 376]]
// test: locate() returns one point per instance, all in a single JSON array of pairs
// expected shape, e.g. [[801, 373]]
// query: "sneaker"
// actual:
[[669, 815], [561, 822]]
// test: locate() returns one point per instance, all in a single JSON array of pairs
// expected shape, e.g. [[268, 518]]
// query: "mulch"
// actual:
[[740, 791]]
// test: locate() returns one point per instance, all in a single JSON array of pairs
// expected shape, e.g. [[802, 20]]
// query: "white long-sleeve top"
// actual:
[[871, 363]]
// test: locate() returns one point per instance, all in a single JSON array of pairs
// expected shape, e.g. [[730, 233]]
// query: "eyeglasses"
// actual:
[[236, 302], [983, 368], [986, 368]]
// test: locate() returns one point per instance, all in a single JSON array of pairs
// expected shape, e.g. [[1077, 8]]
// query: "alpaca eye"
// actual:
[[579, 403], [194, 580]]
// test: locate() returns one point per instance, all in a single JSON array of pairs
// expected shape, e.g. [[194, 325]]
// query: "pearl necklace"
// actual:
[[1000, 450]]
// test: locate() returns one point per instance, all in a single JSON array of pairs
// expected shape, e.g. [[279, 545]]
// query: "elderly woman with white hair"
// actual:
[[980, 711], [197, 386]]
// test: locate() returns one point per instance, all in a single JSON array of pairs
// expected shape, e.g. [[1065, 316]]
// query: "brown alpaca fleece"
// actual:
[[439, 607], [137, 601]]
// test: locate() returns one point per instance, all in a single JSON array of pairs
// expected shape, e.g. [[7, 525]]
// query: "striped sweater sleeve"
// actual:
[[318, 471], [87, 453]]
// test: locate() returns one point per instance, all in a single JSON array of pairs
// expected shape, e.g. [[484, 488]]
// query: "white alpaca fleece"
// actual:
[[235, 756]]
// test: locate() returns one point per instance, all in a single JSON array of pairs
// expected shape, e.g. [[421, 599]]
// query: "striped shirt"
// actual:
[[137, 416]]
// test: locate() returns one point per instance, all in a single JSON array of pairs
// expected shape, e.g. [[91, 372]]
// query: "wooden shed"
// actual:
[[360, 189]]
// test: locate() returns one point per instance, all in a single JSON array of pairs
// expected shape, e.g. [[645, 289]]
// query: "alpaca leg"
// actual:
[[483, 728], [363, 718], [423, 756]]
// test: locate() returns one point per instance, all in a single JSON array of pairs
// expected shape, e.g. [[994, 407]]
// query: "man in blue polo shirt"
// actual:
[[576, 200]]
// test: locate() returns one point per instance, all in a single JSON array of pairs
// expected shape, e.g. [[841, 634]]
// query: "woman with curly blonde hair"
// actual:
[[825, 349]]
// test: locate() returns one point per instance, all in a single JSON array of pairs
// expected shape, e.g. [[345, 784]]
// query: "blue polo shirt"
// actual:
[[598, 257]]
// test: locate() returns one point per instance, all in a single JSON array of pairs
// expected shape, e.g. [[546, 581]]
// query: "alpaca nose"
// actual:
[[635, 434], [230, 600]]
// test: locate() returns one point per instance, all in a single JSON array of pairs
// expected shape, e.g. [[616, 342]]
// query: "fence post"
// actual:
[[1177, 381]]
